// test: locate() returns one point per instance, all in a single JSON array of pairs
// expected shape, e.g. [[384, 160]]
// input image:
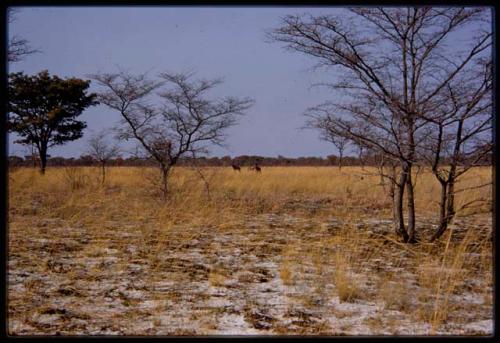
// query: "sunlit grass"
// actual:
[[127, 216]]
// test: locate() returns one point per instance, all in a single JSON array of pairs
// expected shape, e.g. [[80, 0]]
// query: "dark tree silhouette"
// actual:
[[43, 110]]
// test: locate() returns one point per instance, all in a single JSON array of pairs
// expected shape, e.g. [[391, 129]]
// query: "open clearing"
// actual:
[[292, 251]]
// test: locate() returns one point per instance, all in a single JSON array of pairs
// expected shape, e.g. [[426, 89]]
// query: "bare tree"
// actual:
[[459, 137], [361, 153], [392, 65], [102, 151], [339, 141], [206, 177], [171, 117], [18, 47]]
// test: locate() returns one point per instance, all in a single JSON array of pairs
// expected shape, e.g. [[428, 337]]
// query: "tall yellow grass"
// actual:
[[345, 259], [129, 190]]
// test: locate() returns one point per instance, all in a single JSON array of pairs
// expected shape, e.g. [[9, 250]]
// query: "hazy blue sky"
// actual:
[[226, 42]]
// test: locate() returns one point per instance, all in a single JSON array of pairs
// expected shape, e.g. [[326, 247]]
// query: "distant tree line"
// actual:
[[407, 98], [225, 161], [170, 117]]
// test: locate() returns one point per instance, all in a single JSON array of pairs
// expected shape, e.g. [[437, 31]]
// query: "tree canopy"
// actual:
[[43, 109]]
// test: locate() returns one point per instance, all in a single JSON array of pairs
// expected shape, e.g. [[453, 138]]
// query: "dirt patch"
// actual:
[[268, 274]]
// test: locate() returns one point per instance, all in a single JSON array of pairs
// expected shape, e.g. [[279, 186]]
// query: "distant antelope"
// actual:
[[257, 168], [235, 167]]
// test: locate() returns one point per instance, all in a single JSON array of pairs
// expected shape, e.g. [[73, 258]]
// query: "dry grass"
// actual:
[[287, 263], [346, 285], [216, 279], [273, 250], [246, 190]]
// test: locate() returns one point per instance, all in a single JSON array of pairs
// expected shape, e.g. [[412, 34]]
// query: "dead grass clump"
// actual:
[[285, 269], [33, 285], [286, 273], [216, 279], [347, 288], [395, 295], [440, 276], [75, 178]]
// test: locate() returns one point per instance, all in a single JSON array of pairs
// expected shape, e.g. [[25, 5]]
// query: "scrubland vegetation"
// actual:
[[403, 247], [292, 250]]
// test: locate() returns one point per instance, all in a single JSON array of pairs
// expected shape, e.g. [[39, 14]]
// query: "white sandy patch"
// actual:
[[482, 326], [234, 324]]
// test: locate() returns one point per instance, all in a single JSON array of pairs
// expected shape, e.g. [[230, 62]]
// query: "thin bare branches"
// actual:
[[18, 48], [406, 91], [170, 117], [101, 150]]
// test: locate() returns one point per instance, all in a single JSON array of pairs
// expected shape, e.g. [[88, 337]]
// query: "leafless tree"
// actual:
[[361, 153], [18, 47], [102, 151], [459, 137], [340, 142], [205, 176], [170, 117], [392, 64]]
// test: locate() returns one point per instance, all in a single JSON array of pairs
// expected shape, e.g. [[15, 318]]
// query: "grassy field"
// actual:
[[292, 250]]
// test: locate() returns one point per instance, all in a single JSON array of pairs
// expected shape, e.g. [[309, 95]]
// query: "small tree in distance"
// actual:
[[179, 122], [102, 151], [339, 141], [43, 110]]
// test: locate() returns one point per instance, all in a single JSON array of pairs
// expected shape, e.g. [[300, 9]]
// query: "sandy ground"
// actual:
[[132, 280]]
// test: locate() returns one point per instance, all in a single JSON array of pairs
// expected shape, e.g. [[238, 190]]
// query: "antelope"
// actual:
[[235, 167], [257, 168]]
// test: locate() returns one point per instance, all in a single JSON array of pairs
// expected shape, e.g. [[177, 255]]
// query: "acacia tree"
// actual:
[[339, 141], [43, 110], [171, 117], [459, 136], [101, 151], [391, 64]]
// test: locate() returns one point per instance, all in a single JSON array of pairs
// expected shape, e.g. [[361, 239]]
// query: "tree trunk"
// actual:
[[446, 208], [33, 158], [103, 165], [399, 221], [361, 161], [450, 207], [164, 181], [43, 159], [450, 189], [410, 199], [392, 184], [340, 162], [382, 181], [381, 166], [442, 212]]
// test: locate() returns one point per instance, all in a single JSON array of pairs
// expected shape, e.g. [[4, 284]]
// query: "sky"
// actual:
[[215, 42], [227, 42]]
